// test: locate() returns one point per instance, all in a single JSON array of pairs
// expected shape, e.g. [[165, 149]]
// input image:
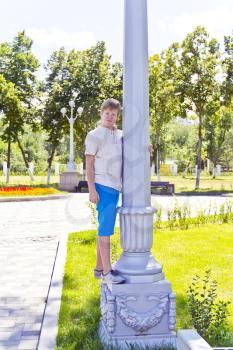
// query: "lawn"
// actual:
[[208, 184], [25, 180], [223, 183], [182, 254]]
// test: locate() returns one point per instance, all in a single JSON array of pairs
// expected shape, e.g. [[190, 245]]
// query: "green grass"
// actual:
[[25, 180], [208, 184], [183, 253]]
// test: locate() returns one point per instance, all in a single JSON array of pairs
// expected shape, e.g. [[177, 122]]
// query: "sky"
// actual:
[[79, 24]]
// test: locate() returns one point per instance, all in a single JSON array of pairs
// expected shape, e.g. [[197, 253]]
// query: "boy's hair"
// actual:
[[112, 104]]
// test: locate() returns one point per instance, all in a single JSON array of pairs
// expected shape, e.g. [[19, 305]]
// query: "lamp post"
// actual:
[[140, 311], [71, 166]]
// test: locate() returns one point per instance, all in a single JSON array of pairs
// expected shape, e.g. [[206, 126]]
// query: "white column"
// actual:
[[142, 310], [31, 167], [218, 170], [136, 213], [71, 166], [71, 140], [4, 168], [136, 172], [56, 166]]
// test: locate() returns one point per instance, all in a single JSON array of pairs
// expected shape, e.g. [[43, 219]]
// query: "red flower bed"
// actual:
[[26, 190]]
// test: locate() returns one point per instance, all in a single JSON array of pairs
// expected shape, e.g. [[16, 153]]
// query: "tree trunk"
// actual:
[[50, 160], [84, 166], [158, 155], [198, 175], [8, 161], [25, 160], [214, 168]]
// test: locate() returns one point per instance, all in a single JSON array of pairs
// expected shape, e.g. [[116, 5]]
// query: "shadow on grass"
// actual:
[[84, 238]]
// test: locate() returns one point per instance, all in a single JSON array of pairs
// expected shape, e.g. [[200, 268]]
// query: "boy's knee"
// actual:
[[104, 238]]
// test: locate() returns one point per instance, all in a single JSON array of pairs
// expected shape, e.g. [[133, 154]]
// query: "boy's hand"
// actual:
[[94, 196]]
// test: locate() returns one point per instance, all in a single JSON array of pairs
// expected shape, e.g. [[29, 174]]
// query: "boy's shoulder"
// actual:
[[100, 133], [97, 131], [96, 134]]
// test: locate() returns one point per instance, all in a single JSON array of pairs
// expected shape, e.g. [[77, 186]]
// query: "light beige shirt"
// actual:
[[106, 145]]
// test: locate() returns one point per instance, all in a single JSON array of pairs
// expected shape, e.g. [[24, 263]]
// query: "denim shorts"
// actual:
[[107, 209]]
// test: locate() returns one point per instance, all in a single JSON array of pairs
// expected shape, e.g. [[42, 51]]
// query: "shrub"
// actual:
[[209, 314]]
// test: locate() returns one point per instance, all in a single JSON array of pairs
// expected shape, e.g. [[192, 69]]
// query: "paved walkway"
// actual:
[[29, 236]]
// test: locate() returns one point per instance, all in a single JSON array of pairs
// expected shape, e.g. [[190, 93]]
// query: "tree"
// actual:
[[10, 106], [198, 88], [78, 75], [163, 102], [18, 66], [181, 144], [217, 128], [227, 86]]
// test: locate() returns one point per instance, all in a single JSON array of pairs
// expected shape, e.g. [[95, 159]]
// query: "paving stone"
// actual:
[[10, 336], [28, 344], [4, 312], [7, 322], [8, 346], [32, 326]]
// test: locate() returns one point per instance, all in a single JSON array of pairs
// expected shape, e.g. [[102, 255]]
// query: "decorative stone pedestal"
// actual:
[[69, 180], [142, 311], [137, 313]]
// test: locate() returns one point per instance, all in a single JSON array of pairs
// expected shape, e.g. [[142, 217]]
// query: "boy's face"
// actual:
[[109, 117]]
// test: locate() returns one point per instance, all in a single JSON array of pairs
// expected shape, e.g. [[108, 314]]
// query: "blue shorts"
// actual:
[[107, 209]]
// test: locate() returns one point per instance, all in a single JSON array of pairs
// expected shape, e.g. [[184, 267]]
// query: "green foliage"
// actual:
[[179, 217], [93, 210], [217, 128], [182, 81], [18, 67], [181, 144], [85, 76], [209, 315], [227, 87], [162, 82]]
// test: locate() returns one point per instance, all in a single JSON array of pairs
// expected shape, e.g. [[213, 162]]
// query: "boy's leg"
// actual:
[[99, 264], [104, 248]]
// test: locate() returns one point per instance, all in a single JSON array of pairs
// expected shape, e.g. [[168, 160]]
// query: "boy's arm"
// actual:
[[90, 159]]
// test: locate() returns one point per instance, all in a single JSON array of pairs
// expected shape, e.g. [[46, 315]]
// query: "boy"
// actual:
[[103, 151]]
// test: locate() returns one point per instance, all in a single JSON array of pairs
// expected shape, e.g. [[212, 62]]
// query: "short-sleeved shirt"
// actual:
[[106, 145]]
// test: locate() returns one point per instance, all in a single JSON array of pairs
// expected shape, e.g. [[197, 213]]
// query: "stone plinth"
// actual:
[[68, 181], [138, 314]]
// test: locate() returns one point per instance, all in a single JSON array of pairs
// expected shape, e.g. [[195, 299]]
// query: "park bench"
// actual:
[[164, 186], [81, 184]]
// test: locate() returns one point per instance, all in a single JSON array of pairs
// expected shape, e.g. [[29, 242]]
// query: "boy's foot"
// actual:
[[97, 273], [112, 277]]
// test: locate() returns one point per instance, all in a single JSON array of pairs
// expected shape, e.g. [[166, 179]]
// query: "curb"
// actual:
[[195, 194], [31, 199], [207, 194], [49, 328]]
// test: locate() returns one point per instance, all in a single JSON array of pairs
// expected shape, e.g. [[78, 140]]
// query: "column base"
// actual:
[[139, 267], [142, 314], [68, 181]]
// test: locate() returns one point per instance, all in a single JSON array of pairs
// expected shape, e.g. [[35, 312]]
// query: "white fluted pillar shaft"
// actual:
[[136, 213], [136, 169]]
